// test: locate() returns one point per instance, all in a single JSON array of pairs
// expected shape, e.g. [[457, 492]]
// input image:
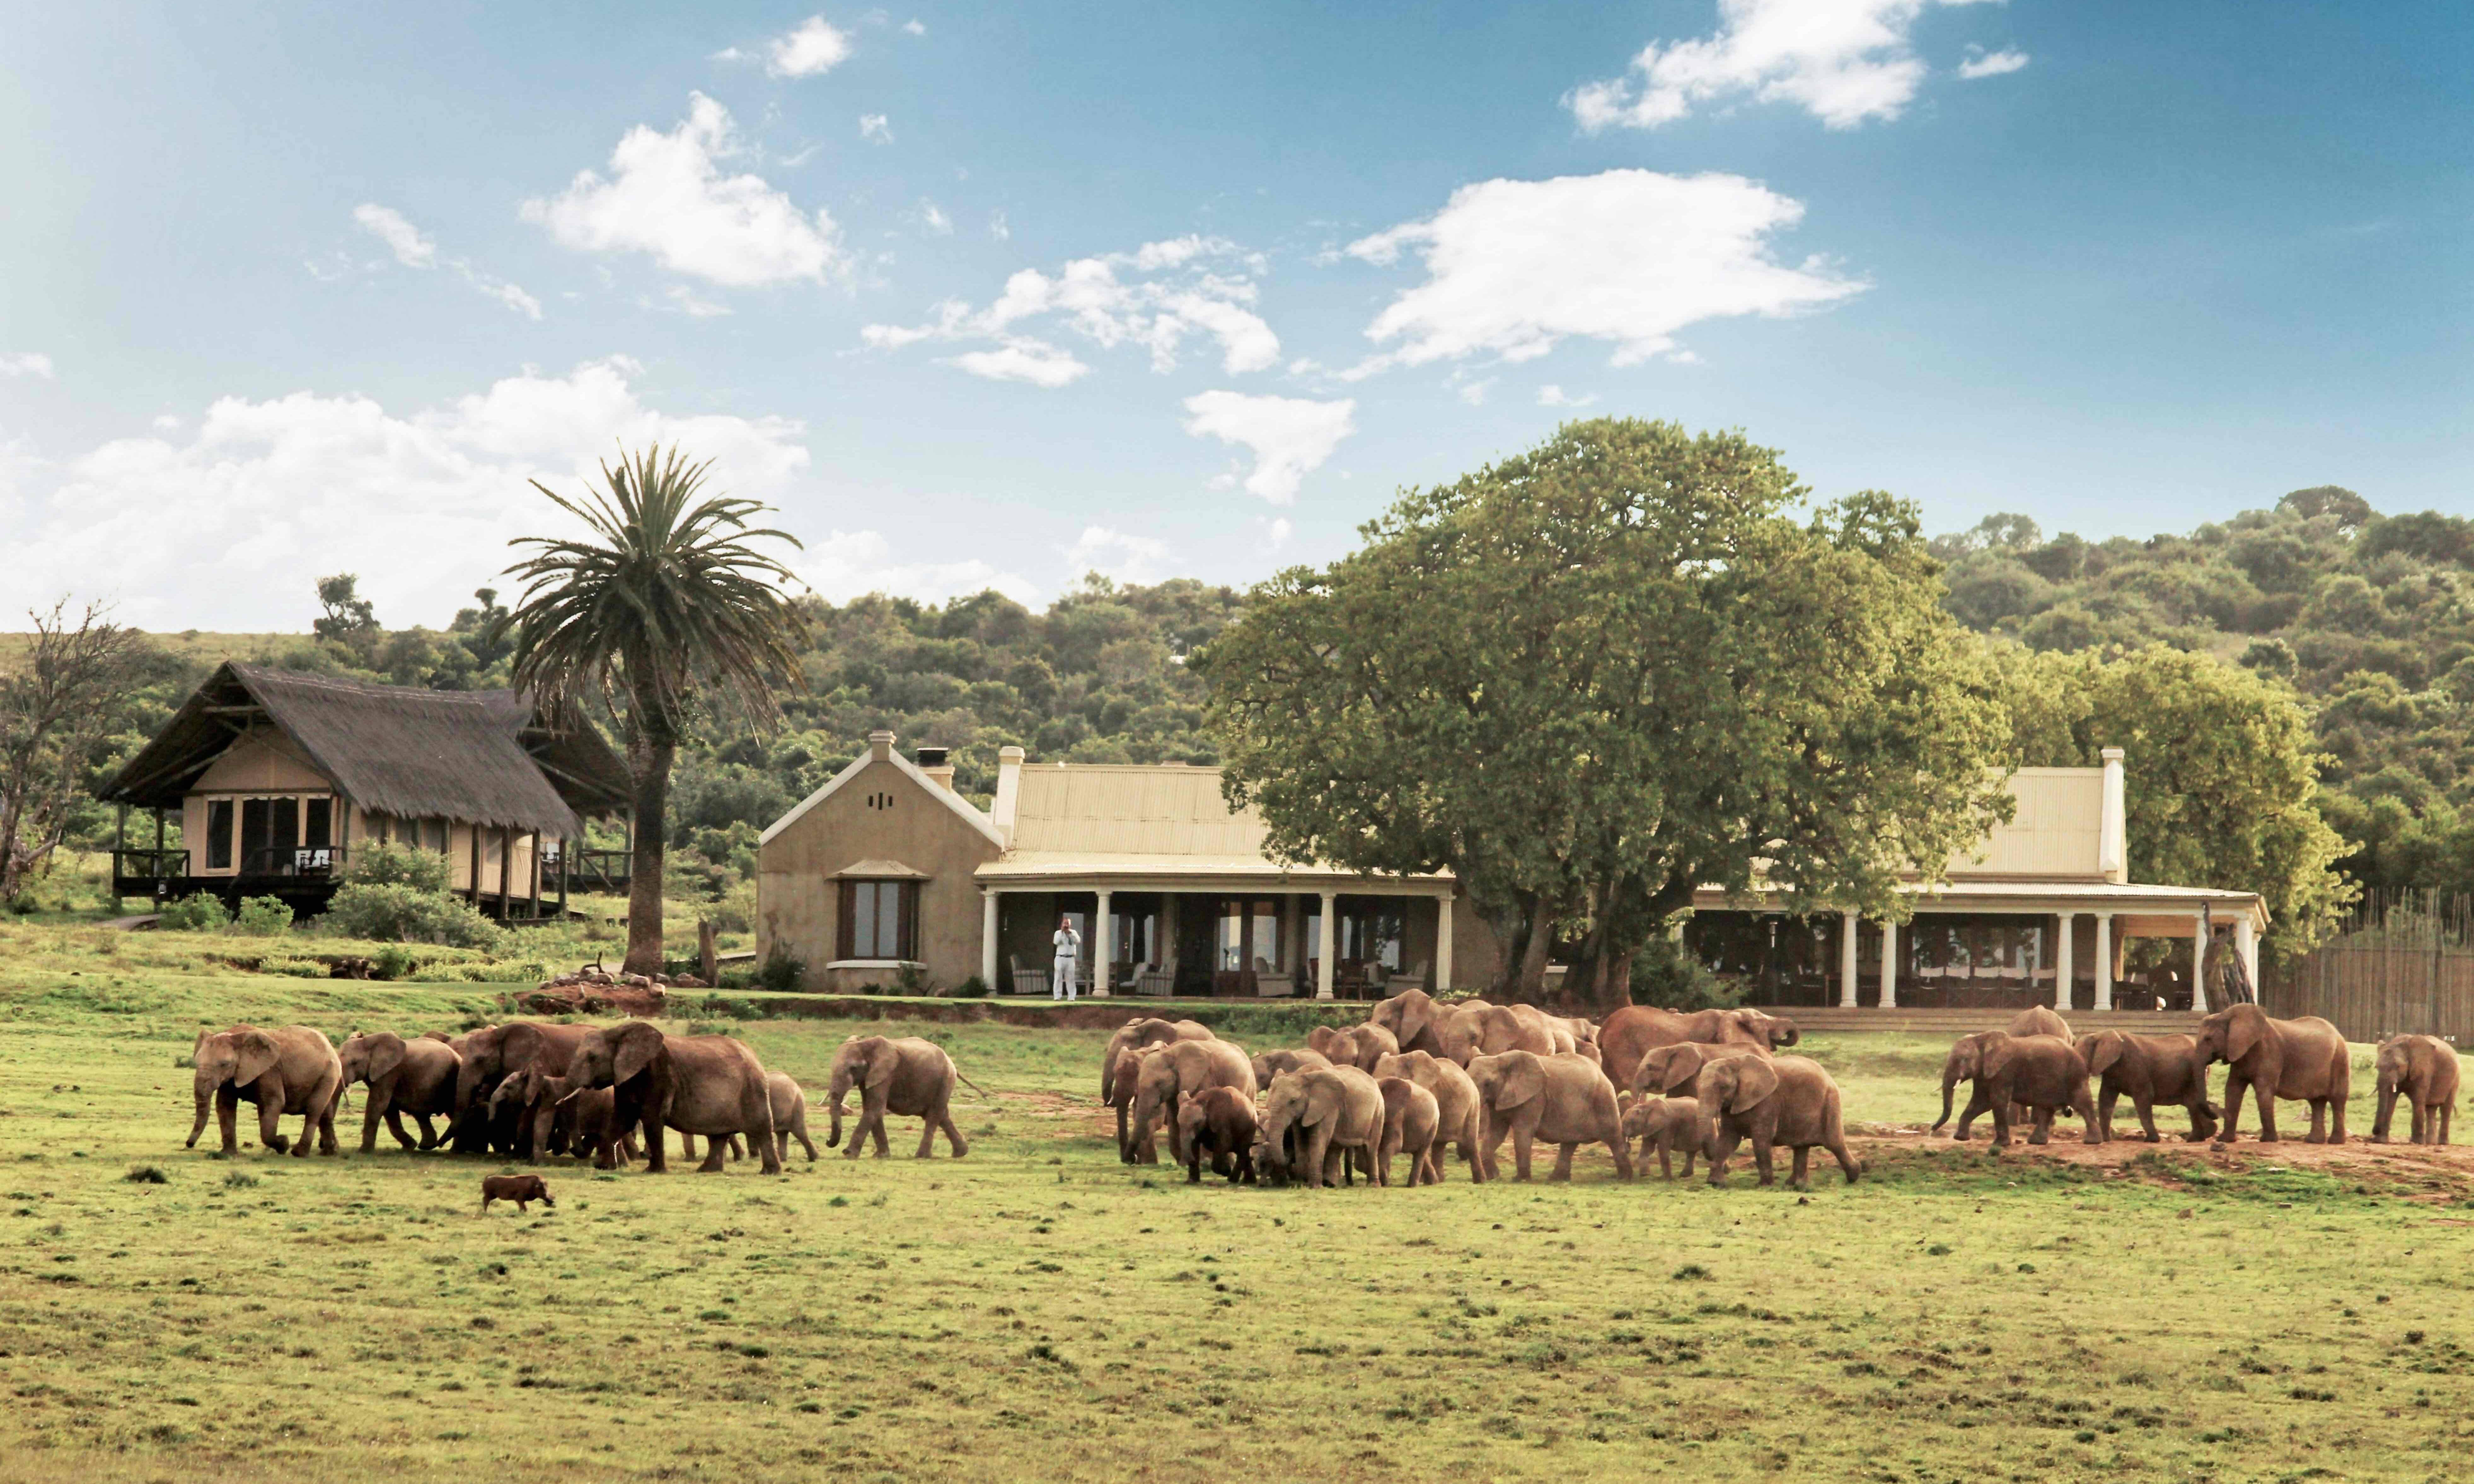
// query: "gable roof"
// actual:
[[482, 757], [910, 770]]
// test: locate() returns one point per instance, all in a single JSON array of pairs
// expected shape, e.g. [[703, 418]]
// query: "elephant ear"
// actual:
[[1416, 1008], [1755, 1081], [1998, 1052], [638, 1045], [254, 1053], [2106, 1048], [882, 1062], [1323, 1100], [2243, 1035], [1522, 1082], [385, 1054], [1682, 1068]]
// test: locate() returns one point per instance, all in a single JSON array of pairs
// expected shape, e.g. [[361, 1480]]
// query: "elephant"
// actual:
[[291, 1069], [1355, 1045], [790, 1114], [2303, 1059], [1412, 1124], [1771, 1101], [1373, 1045], [1665, 1124], [1218, 1122], [2424, 1068], [1415, 1020], [909, 1076], [708, 1085], [492, 1053], [2153, 1069], [578, 1121], [2041, 1074], [1134, 1034], [1564, 1100], [1633, 1031], [1336, 1117], [1136, 1145], [1270, 1063], [414, 1077], [532, 1100], [1186, 1066], [1670, 1069], [2040, 1021], [1461, 1117]]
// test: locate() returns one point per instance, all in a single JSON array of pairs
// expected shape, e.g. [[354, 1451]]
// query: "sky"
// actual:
[[996, 295]]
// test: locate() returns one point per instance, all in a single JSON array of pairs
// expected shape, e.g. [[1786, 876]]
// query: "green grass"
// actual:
[[1040, 1312]]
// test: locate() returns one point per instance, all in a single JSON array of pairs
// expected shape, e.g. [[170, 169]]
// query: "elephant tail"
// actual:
[[973, 1085]]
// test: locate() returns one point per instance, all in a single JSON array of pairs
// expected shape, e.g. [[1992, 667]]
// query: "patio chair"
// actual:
[[1155, 979], [1028, 980], [1413, 977], [1272, 983]]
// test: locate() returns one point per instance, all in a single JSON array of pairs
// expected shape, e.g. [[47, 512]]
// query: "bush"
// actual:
[[262, 917], [199, 913], [399, 912], [1664, 973], [147, 1175], [972, 988], [780, 972], [392, 962], [397, 865]]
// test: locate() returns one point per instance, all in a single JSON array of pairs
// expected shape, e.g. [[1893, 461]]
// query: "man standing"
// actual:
[[1069, 954]]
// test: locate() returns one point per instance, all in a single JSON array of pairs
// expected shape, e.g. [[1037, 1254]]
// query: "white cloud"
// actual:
[[1036, 361], [876, 127], [1473, 392], [933, 218], [1981, 63], [25, 363], [850, 564], [1842, 61], [809, 49], [1153, 297], [1290, 437], [999, 227], [1553, 396], [1629, 256], [1114, 554], [695, 306], [667, 197], [505, 293], [403, 239], [914, 28], [225, 527]]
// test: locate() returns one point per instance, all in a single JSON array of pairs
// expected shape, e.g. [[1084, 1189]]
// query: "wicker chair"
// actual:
[[1155, 979], [1272, 983], [1028, 980]]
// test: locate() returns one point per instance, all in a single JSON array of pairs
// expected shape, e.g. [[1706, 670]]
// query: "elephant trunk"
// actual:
[[1949, 1084], [207, 1085], [840, 1091]]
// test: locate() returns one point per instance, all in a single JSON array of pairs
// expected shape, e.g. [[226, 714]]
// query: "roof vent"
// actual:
[[931, 757], [931, 763]]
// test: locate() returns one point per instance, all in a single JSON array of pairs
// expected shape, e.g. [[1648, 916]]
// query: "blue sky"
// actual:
[[981, 296]]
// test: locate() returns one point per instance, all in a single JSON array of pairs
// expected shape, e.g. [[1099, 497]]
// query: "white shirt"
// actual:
[[1068, 942]]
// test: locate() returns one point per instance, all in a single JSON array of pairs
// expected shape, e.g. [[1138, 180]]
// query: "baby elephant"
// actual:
[[1665, 1124], [1219, 1122], [1412, 1124], [522, 1189]]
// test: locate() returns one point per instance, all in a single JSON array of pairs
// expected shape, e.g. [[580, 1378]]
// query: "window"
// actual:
[[876, 920], [320, 831], [219, 834]]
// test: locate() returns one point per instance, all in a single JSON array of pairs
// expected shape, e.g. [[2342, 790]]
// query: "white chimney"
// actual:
[[880, 746], [2112, 830], [1009, 790]]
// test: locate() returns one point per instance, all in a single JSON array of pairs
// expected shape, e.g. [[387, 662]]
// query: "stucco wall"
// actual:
[[882, 813]]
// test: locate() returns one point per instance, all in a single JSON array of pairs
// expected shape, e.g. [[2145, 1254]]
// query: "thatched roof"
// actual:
[[483, 757]]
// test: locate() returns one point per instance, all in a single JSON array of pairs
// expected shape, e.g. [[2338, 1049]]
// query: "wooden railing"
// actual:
[[2402, 963]]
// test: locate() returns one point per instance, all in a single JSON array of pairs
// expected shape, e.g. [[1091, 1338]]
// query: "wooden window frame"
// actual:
[[906, 920]]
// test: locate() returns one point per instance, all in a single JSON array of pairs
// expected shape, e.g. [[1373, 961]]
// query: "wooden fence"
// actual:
[[2402, 962]]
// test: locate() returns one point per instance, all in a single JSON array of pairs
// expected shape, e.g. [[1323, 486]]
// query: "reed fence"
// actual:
[[2403, 961]]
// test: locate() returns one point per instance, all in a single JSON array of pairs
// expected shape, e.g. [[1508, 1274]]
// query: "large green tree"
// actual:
[[1595, 676], [2220, 765], [662, 611]]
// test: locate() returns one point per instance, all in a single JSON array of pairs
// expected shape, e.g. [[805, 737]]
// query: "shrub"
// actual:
[[262, 917], [397, 865], [911, 980], [736, 911], [399, 912], [392, 962], [780, 972], [147, 1175], [199, 913], [1664, 973], [972, 988]]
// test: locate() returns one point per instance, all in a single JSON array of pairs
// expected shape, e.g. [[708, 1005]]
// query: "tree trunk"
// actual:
[[651, 764], [1531, 987]]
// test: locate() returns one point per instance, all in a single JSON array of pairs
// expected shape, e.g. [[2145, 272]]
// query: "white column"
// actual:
[[1103, 933], [988, 942], [1442, 944], [2199, 963], [1848, 923], [2104, 960], [2063, 968], [2247, 944], [1325, 934], [1889, 964]]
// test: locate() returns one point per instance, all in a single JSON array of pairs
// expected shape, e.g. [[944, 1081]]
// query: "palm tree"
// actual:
[[663, 611]]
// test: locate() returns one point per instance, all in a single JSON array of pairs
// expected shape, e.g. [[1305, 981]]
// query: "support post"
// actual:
[[1443, 943], [988, 940], [2062, 966], [532, 849], [1848, 923], [2247, 944], [2199, 961], [1104, 959], [566, 847], [2104, 960], [474, 885], [1168, 938], [506, 868], [1326, 936], [1889, 964]]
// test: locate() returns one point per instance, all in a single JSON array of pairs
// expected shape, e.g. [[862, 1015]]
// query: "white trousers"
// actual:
[[1060, 983]]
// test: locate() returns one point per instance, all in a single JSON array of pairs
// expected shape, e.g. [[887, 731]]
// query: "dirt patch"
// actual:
[[2450, 1166]]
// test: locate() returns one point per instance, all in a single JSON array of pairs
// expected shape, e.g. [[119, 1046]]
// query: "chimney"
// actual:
[[2113, 831], [931, 763], [1001, 812], [880, 746]]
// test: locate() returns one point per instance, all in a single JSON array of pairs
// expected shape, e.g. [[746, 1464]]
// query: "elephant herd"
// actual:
[[532, 1089], [2036, 1069], [1426, 1079]]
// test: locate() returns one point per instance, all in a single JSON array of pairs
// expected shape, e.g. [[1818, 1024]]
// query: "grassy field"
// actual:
[[1040, 1312]]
